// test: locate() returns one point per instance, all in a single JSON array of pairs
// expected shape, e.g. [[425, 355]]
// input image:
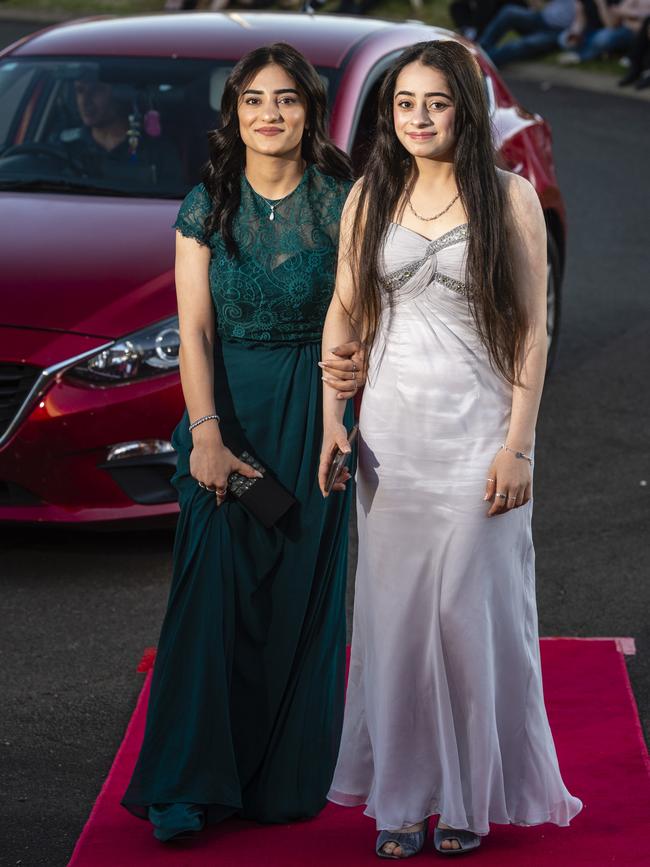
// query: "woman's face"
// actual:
[[424, 112], [272, 113]]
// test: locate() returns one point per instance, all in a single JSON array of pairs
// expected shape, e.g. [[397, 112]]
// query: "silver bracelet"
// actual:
[[202, 419], [517, 454]]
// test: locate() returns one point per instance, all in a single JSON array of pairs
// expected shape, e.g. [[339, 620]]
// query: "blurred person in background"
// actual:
[[586, 19], [471, 17], [360, 7], [639, 71], [218, 5], [600, 28], [539, 26]]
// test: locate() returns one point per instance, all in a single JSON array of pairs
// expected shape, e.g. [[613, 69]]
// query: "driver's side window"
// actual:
[[13, 91]]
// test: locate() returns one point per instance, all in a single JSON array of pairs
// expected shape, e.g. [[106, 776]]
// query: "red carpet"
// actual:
[[602, 755]]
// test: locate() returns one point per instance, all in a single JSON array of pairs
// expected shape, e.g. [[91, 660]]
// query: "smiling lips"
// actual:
[[420, 136], [269, 130]]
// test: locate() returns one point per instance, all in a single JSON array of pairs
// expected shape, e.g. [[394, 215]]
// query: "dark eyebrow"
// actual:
[[280, 90], [426, 95]]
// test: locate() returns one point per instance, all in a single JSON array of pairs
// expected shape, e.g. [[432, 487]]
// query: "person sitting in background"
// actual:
[[471, 17], [619, 25], [361, 7], [539, 27], [639, 71], [219, 5], [586, 18]]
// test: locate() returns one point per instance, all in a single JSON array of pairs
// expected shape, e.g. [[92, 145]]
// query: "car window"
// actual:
[[129, 126], [15, 80], [366, 112], [364, 135]]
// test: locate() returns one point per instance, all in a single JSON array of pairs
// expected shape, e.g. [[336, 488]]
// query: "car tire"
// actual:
[[553, 299]]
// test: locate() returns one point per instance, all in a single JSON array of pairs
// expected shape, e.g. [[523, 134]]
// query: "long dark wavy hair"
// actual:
[[221, 174], [497, 311]]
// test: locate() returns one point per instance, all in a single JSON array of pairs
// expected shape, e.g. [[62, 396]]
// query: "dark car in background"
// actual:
[[89, 384]]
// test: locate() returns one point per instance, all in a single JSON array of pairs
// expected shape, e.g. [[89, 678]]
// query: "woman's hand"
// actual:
[[509, 483], [334, 437], [211, 463], [343, 368]]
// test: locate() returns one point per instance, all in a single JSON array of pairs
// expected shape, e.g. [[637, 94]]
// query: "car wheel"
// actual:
[[553, 299]]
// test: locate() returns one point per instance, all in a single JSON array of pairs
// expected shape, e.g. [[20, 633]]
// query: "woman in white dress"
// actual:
[[442, 269]]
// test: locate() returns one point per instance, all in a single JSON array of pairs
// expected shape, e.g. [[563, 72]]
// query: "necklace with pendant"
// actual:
[[272, 204], [435, 216]]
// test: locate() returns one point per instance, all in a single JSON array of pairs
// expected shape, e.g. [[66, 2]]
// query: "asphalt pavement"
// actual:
[[77, 609]]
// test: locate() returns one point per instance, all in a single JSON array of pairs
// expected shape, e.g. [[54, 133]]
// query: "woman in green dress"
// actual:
[[246, 699]]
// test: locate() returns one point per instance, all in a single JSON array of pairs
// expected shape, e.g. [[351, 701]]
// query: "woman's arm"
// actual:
[[338, 329], [210, 461], [196, 323], [575, 32], [606, 13], [343, 369], [512, 475]]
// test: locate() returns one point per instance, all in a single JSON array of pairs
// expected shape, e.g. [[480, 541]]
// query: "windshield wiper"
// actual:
[[67, 186]]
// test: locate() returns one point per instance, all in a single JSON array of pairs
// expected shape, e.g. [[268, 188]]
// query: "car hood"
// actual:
[[89, 265]]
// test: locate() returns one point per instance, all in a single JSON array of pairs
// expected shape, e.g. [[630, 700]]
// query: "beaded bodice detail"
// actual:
[[412, 262], [279, 287]]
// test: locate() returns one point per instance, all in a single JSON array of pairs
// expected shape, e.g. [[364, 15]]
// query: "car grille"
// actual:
[[15, 383], [12, 494]]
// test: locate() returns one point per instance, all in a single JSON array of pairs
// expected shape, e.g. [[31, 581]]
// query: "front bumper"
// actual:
[[53, 466]]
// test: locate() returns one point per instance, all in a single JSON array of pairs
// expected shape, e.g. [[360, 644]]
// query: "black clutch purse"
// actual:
[[264, 498]]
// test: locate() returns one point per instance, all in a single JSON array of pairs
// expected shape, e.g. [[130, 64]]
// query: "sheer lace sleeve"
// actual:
[[195, 208]]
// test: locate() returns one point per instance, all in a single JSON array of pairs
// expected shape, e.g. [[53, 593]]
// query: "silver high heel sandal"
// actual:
[[410, 842], [467, 841]]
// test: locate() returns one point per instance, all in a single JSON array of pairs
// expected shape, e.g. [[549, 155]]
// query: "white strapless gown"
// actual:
[[445, 711]]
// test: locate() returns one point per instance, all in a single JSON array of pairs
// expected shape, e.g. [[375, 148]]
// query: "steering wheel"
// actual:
[[45, 149]]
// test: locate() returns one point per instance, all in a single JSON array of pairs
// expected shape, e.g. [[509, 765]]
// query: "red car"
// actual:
[[89, 385]]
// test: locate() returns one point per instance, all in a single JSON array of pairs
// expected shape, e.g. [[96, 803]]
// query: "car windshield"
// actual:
[[107, 125]]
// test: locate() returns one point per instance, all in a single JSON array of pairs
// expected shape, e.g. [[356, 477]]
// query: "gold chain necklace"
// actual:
[[435, 216]]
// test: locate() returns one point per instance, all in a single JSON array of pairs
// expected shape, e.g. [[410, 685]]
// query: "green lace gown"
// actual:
[[247, 692]]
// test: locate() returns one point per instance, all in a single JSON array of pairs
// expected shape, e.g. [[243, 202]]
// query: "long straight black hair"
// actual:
[[496, 308], [221, 174]]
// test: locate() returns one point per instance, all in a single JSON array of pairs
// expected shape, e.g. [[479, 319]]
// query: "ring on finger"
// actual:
[[500, 495], [220, 492], [206, 488], [490, 480]]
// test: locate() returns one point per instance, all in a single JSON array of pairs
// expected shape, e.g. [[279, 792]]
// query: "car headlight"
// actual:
[[149, 352]]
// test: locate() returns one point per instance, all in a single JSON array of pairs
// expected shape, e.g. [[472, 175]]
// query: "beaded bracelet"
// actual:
[[517, 454], [202, 419]]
